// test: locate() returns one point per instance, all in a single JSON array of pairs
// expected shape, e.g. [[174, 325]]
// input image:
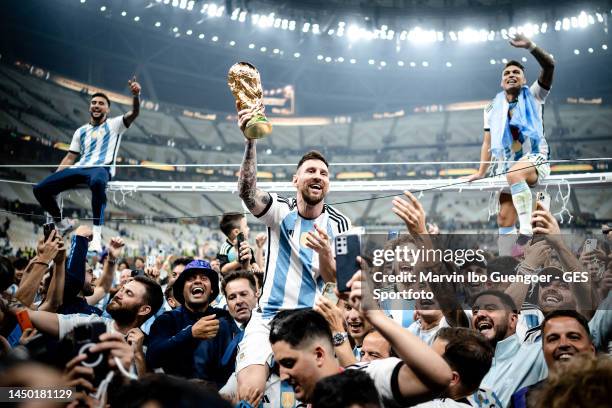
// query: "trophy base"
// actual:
[[258, 129]]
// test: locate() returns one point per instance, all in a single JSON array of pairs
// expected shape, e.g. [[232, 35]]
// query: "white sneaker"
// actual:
[[65, 227], [96, 243]]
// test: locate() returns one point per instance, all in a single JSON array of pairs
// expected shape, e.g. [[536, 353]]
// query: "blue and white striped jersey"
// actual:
[[292, 278], [98, 145]]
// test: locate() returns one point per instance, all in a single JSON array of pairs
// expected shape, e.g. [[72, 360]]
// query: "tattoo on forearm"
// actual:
[[247, 182], [547, 63]]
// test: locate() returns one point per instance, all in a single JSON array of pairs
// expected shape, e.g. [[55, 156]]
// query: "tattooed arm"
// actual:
[[545, 60], [255, 200]]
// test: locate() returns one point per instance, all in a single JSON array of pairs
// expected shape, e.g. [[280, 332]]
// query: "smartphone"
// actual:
[[589, 245], [150, 261], [239, 241], [393, 234], [328, 292], [86, 336], [543, 198], [348, 248], [23, 318], [47, 228]]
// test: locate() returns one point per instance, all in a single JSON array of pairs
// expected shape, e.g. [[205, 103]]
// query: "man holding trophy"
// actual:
[[301, 230]]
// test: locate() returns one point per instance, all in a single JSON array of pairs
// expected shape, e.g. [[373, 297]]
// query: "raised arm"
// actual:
[[115, 249], [46, 252], [545, 60], [255, 200], [130, 116], [45, 322], [55, 293], [424, 372]]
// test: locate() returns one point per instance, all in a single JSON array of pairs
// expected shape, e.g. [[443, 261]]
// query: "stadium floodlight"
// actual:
[[383, 64], [452, 35], [504, 60], [157, 24], [577, 52], [328, 59], [557, 25], [242, 17], [492, 61], [251, 46], [425, 64], [524, 59], [175, 3], [590, 50], [212, 10], [403, 35], [353, 61], [591, 19], [574, 21], [491, 36], [418, 35], [599, 17], [292, 25], [284, 23], [190, 5], [340, 59], [371, 61], [315, 29], [544, 27], [235, 14], [583, 20], [319, 57], [448, 64], [566, 24], [175, 29], [232, 43], [330, 31], [275, 51], [512, 31], [189, 32], [400, 63], [201, 36], [124, 13], [604, 47], [263, 49], [183, 4], [296, 55], [306, 27], [215, 38], [413, 64], [166, 1], [103, 8], [82, 1]]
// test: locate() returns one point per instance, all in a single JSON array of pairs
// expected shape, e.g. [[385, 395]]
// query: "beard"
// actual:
[[88, 290], [310, 200], [500, 333], [122, 314]]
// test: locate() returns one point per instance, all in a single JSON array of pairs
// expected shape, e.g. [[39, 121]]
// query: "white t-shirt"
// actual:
[[292, 279], [384, 373], [98, 145]]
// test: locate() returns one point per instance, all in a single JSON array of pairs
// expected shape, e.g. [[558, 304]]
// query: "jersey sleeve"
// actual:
[[384, 373], [117, 125], [539, 92], [75, 145], [277, 209]]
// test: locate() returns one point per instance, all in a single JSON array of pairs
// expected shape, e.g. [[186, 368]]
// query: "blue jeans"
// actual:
[[96, 179]]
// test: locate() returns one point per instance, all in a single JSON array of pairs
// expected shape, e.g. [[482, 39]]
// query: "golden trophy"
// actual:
[[244, 82]]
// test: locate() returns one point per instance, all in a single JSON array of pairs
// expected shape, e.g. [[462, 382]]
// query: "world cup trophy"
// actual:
[[244, 82]]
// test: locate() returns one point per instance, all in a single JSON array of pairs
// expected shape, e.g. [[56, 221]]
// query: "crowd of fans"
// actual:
[[167, 328]]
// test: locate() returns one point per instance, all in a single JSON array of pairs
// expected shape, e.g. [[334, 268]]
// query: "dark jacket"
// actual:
[[173, 347], [75, 279]]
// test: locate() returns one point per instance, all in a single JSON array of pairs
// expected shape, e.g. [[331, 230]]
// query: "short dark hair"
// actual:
[[7, 273], [514, 63], [504, 297], [168, 291], [297, 326], [139, 258], [102, 95], [313, 155], [506, 265], [567, 313], [181, 261], [345, 389], [229, 221], [467, 352], [154, 296], [239, 274], [20, 263]]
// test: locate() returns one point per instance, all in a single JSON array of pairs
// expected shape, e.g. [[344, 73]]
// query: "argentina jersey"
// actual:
[[98, 145], [292, 278]]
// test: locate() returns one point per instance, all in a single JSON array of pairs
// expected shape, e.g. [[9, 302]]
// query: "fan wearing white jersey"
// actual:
[[300, 258], [97, 143]]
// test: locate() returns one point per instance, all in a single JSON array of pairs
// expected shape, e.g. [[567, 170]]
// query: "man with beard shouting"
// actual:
[[97, 143], [300, 258]]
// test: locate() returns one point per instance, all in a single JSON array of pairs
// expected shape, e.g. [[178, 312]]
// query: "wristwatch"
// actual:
[[340, 338]]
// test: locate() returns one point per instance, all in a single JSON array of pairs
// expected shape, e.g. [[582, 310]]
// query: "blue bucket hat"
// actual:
[[191, 269]]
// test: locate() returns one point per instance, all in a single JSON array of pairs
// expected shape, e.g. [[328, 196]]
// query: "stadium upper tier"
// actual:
[[47, 110]]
